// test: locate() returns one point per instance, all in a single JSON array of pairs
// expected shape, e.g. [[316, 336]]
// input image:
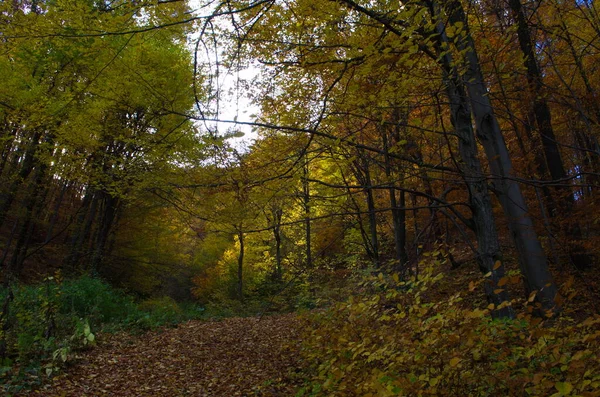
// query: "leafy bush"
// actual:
[[401, 339], [95, 300], [156, 312], [162, 304], [46, 323]]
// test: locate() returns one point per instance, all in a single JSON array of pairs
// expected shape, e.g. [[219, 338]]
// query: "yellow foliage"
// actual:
[[398, 340]]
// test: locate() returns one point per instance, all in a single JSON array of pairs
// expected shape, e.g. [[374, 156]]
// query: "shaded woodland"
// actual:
[[428, 171]]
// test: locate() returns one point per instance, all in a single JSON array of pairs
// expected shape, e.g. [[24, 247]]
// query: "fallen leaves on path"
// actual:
[[233, 357]]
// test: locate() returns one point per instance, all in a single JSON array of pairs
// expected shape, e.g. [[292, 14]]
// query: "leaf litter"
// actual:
[[253, 356]]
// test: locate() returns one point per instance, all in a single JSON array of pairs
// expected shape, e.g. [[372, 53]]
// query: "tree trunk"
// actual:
[[240, 268], [27, 166], [532, 258], [277, 234], [541, 110], [25, 232], [372, 214], [363, 233], [489, 255], [360, 169], [55, 211], [106, 222], [9, 145], [83, 226], [307, 231], [398, 214]]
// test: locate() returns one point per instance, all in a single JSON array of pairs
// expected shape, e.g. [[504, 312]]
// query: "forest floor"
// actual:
[[254, 356]]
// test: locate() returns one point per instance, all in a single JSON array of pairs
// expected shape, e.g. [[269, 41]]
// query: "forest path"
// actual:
[[234, 357]]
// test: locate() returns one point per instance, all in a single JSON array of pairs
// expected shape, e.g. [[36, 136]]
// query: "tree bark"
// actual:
[[110, 205], [532, 258], [541, 110], [83, 226], [240, 267], [398, 214], [26, 229], [28, 164], [307, 226], [277, 234], [489, 256], [372, 214]]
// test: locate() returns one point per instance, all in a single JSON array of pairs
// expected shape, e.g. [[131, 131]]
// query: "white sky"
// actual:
[[234, 103]]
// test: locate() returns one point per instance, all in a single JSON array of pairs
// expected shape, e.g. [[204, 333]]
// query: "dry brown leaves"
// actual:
[[233, 357]]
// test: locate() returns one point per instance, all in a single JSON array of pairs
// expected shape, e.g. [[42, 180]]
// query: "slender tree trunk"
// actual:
[[25, 232], [363, 176], [83, 227], [240, 268], [372, 214], [9, 146], [26, 168], [591, 142], [415, 211], [399, 220], [106, 222], [55, 211], [363, 233], [398, 214], [11, 237], [307, 231], [541, 110], [277, 234]]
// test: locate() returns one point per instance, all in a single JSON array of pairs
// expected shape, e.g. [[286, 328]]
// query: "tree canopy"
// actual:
[[400, 140]]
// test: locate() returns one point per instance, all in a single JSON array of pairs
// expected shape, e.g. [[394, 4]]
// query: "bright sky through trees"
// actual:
[[232, 85]]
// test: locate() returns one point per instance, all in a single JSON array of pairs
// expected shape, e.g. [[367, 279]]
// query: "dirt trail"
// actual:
[[232, 357]]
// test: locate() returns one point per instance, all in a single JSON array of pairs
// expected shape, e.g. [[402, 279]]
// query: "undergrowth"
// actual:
[[49, 323], [397, 338]]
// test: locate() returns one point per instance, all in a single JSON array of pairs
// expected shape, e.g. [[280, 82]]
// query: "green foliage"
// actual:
[[51, 321], [156, 312], [95, 300], [399, 338]]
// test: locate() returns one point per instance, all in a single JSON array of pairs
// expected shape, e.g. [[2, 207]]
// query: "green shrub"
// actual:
[[95, 300], [48, 321], [163, 304], [160, 311]]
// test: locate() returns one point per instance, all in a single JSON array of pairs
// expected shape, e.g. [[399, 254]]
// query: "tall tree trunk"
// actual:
[[55, 211], [278, 213], [541, 110], [398, 213], [240, 268], [591, 142], [542, 116], [363, 233], [25, 232], [307, 231], [29, 161], [9, 145], [361, 171], [109, 212], [83, 226], [489, 255], [399, 220], [372, 214], [532, 258]]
